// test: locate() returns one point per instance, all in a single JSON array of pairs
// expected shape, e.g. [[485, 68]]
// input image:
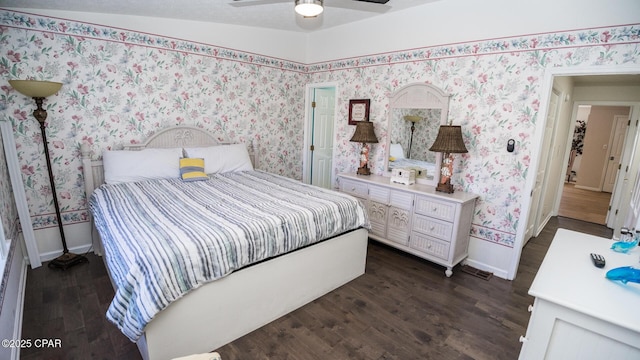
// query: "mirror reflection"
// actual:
[[416, 113], [413, 131]]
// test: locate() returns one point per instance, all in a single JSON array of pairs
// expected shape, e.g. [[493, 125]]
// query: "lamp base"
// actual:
[[445, 187], [67, 260], [363, 170]]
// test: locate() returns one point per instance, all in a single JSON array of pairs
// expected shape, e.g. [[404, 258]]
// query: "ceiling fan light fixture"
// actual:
[[309, 8]]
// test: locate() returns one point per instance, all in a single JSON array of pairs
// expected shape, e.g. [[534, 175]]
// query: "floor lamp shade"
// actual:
[[38, 90], [35, 88], [366, 135], [448, 141]]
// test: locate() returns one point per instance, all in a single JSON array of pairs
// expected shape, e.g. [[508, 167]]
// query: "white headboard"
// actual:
[[177, 136]]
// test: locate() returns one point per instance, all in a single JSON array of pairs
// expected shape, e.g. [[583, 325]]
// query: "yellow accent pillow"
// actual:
[[192, 169]]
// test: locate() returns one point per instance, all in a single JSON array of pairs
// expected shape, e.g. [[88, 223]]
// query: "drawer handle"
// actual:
[[432, 228], [434, 209], [353, 189]]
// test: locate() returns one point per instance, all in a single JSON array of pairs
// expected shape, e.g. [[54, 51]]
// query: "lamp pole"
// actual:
[[38, 90]]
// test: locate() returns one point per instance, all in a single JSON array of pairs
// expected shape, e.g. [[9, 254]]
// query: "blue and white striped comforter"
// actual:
[[163, 238]]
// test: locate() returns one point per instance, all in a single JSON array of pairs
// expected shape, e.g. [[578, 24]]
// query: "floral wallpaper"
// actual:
[[495, 96], [121, 86]]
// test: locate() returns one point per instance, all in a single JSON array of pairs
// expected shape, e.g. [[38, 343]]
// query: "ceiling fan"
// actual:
[[313, 8]]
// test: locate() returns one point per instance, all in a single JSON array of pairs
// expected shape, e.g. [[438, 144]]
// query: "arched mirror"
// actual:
[[416, 112]]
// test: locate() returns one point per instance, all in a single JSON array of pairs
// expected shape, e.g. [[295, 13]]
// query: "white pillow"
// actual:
[[396, 151], [222, 158], [128, 166]]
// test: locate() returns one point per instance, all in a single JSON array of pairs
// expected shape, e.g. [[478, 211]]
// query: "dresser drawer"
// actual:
[[433, 227], [429, 245], [355, 188], [379, 194], [434, 208], [401, 199]]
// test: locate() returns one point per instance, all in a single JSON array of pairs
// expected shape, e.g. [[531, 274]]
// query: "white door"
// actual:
[[320, 150], [624, 182], [616, 145], [633, 217], [535, 212]]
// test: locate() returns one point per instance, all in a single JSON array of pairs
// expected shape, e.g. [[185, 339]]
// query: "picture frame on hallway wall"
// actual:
[[358, 110]]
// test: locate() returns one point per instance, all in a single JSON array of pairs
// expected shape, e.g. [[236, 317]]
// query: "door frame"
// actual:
[[540, 222], [546, 88], [20, 197], [308, 113], [626, 156]]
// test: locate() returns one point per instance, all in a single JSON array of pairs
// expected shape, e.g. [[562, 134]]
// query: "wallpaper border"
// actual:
[[493, 235], [608, 35], [108, 33]]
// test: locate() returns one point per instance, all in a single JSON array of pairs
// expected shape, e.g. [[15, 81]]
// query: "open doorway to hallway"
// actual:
[[594, 162]]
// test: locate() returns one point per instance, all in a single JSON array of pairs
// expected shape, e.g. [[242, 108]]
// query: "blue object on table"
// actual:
[[624, 274], [624, 246]]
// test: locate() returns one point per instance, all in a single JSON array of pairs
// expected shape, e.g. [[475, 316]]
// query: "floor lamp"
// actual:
[[39, 90], [413, 119]]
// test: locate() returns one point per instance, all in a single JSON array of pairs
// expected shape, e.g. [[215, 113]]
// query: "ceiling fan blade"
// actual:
[[361, 5], [377, 6], [241, 3]]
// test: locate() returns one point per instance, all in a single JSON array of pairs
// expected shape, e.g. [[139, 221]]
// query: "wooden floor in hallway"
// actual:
[[585, 205]]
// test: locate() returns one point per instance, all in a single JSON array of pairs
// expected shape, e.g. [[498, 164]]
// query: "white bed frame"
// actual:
[[226, 309]]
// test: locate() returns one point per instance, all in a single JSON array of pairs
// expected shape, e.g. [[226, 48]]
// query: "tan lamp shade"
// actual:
[[35, 88], [449, 140], [364, 133]]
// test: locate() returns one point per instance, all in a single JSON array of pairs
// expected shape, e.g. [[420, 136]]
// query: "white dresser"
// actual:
[[578, 313], [415, 218]]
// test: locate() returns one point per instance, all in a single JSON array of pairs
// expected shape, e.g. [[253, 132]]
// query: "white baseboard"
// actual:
[[54, 254], [17, 327], [587, 188]]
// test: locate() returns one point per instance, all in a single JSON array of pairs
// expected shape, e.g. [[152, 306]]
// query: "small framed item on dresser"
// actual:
[[403, 176]]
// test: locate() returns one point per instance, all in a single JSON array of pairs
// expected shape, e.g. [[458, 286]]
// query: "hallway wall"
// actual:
[[596, 146]]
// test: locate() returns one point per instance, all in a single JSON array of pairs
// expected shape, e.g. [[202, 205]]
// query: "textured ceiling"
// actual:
[[273, 14]]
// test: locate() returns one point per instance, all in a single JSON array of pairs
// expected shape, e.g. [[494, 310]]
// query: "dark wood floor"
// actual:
[[402, 308]]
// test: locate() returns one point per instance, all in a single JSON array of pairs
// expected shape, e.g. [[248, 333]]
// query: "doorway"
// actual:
[[596, 153], [608, 83], [319, 133], [560, 139]]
